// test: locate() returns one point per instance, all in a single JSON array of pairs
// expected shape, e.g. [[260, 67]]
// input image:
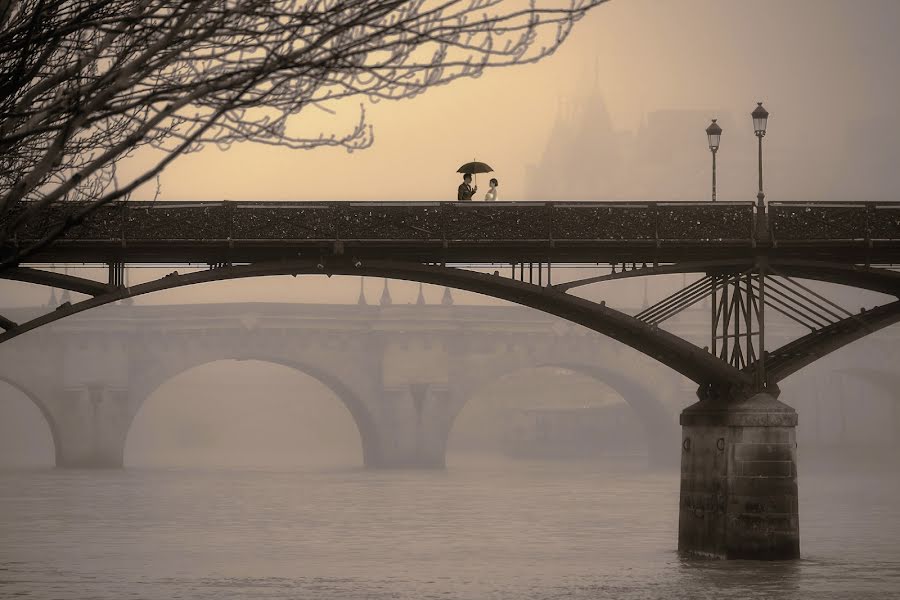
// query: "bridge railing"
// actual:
[[834, 221], [410, 222]]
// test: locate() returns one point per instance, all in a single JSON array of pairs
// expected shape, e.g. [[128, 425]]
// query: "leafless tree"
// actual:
[[84, 83]]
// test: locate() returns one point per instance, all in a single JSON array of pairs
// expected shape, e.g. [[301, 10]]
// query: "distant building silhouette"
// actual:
[[586, 158], [583, 156]]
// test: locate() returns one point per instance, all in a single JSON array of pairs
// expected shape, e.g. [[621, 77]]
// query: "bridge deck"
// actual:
[[233, 232]]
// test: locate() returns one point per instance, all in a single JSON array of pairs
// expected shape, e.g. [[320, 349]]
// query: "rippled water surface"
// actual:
[[478, 530]]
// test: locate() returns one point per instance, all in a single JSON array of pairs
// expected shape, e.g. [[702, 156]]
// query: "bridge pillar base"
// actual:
[[89, 428], [739, 480], [413, 428]]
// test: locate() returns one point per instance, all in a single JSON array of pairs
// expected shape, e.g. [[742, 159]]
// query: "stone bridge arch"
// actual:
[[32, 368], [888, 381], [350, 391], [346, 364], [36, 399], [651, 397], [90, 386]]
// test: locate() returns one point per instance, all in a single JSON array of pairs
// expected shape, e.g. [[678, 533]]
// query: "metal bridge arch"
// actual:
[[684, 357], [667, 348]]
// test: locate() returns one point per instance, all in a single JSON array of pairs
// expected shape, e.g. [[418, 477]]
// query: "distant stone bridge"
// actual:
[[404, 372]]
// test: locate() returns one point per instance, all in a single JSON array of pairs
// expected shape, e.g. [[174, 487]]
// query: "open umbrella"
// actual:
[[474, 168]]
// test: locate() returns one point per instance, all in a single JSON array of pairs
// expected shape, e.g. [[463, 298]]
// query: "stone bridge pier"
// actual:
[[739, 477], [90, 425], [82, 389], [413, 424]]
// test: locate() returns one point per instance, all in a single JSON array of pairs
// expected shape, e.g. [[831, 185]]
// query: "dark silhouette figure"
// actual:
[[465, 191]]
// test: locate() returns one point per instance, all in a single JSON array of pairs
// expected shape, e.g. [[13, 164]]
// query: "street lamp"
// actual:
[[714, 133], [760, 116]]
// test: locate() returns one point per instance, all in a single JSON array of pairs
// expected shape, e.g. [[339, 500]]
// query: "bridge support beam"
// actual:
[[739, 479]]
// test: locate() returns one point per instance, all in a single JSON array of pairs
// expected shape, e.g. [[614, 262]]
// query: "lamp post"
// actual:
[[714, 134], [760, 116]]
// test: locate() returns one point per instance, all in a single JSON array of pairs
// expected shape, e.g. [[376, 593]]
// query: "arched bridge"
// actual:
[[404, 372], [748, 260]]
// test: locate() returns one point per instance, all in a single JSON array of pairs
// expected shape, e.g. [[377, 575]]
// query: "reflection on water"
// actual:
[[482, 529]]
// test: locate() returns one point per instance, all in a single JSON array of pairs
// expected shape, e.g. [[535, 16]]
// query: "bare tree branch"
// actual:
[[84, 83]]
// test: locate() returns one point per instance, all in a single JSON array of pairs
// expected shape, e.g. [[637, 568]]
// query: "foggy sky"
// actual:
[[824, 68]]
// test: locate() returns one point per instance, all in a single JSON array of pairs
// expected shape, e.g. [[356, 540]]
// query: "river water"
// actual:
[[480, 530]]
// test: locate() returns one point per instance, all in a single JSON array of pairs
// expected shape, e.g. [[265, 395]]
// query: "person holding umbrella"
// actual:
[[465, 191]]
